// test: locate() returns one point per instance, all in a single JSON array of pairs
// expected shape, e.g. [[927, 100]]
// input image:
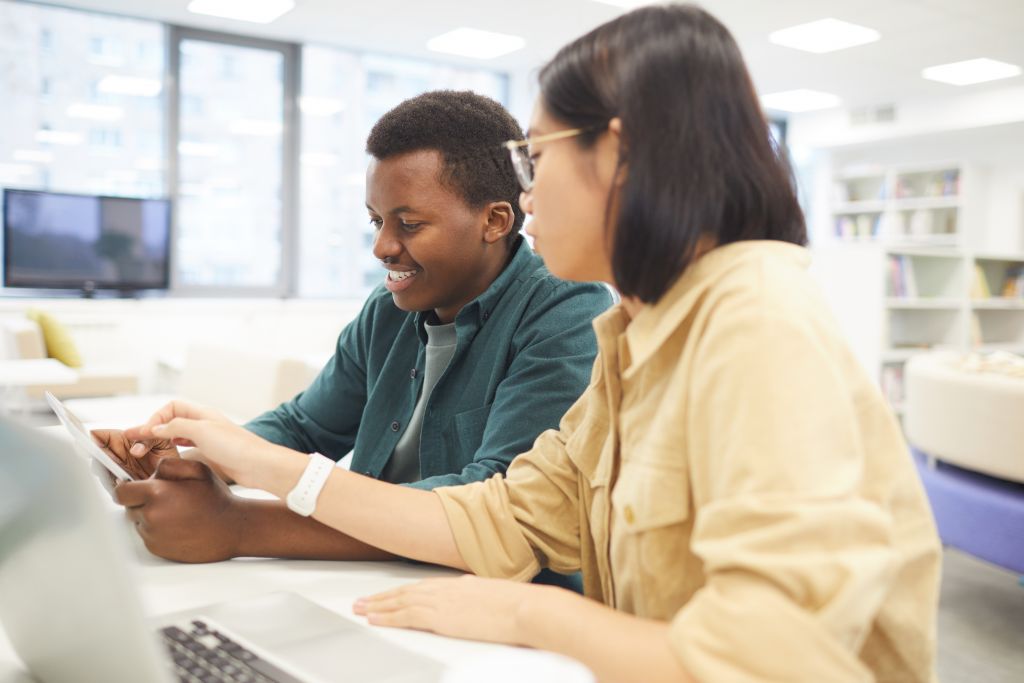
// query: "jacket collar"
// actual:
[[656, 322]]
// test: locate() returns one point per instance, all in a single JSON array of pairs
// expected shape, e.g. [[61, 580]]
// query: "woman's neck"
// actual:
[[632, 306]]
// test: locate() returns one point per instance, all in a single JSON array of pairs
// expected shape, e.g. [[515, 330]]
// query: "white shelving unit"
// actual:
[[997, 302], [901, 204], [914, 227]]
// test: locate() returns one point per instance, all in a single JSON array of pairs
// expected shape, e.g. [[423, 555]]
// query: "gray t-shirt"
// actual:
[[404, 465]]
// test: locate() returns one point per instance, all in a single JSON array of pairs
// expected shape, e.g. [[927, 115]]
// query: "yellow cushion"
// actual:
[[58, 340]]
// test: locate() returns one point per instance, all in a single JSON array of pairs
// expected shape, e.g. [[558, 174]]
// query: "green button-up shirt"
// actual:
[[524, 353]]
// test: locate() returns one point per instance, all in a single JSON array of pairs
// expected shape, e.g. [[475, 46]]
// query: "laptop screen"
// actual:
[[68, 601]]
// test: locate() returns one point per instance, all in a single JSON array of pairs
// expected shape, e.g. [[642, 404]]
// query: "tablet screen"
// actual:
[[84, 440]]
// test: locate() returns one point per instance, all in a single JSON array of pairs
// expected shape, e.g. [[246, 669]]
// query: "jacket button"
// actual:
[[486, 315], [412, 374], [627, 512], [395, 426]]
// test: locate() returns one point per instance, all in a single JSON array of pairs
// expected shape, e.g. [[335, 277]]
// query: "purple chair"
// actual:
[[981, 515]]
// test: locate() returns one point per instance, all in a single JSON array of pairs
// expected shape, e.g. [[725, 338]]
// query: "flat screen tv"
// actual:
[[70, 241]]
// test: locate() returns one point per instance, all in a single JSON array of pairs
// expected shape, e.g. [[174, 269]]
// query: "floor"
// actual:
[[981, 622]]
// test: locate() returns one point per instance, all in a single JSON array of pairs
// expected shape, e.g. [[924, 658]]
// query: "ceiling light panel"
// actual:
[[474, 43], [971, 71], [824, 35]]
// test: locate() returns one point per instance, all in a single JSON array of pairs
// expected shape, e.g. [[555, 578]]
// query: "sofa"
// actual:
[[22, 339], [964, 420]]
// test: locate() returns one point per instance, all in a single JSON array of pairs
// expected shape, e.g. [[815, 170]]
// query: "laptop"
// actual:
[[72, 613]]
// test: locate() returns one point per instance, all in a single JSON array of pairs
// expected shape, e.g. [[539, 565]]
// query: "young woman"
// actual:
[[468, 350], [731, 484]]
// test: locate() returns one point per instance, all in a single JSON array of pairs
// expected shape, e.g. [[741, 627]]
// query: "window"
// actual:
[[231, 170], [105, 138], [86, 111], [63, 129], [344, 93]]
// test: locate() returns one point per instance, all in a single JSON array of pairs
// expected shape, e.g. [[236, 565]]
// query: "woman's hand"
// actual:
[[236, 452], [144, 432], [120, 445], [463, 607]]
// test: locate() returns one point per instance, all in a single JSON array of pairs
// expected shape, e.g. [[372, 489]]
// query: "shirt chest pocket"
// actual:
[[468, 432], [652, 529]]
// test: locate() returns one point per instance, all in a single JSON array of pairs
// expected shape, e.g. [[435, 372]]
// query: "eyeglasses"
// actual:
[[521, 161]]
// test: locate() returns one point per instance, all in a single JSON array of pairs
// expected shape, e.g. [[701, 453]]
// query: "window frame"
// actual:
[[291, 54]]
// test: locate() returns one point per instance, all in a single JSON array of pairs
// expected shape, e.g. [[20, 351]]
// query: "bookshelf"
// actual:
[[914, 229], [997, 302], [908, 204]]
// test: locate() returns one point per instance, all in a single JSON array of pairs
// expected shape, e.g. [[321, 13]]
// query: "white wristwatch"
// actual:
[[302, 498]]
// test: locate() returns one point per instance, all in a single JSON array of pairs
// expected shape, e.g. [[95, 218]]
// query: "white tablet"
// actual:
[[83, 439]]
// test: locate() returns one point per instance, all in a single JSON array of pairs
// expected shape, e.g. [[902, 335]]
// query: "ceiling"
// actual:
[[915, 34]]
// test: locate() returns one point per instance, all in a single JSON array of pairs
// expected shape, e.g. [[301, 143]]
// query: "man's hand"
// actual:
[[118, 445], [184, 512]]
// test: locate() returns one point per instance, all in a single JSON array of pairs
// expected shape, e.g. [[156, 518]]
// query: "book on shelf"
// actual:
[[892, 384], [859, 226], [938, 184], [979, 286], [902, 282], [920, 223], [1013, 283]]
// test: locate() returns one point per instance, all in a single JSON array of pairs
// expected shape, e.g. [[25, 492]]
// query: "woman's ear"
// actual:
[[500, 219], [619, 144]]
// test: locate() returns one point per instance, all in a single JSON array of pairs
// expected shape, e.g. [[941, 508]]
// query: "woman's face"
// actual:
[[439, 252], [570, 195]]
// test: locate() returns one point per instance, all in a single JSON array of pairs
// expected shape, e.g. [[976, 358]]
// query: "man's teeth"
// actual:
[[396, 275]]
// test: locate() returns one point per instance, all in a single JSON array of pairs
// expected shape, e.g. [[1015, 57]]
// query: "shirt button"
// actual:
[[627, 512], [412, 374], [395, 426]]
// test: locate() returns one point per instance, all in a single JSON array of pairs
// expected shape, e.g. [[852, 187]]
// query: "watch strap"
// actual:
[[302, 499]]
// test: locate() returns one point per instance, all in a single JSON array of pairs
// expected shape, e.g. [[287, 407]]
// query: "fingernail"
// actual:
[[159, 429], [137, 449]]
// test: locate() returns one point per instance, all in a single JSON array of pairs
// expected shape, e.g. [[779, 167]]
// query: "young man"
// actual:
[[468, 351]]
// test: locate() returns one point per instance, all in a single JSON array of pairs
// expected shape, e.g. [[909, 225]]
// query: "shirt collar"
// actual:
[[474, 314], [653, 325]]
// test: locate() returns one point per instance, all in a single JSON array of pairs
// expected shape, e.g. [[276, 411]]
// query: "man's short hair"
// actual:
[[467, 129]]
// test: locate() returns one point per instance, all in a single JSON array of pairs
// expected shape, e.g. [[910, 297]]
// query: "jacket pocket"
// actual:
[[651, 536]]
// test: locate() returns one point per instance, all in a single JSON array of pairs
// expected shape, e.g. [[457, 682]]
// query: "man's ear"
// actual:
[[500, 218]]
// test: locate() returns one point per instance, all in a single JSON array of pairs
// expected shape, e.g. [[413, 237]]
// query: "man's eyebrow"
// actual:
[[395, 211]]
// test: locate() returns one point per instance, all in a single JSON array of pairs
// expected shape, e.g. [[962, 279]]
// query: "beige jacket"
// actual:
[[731, 469]]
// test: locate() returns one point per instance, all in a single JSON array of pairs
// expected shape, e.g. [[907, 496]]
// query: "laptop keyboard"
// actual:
[[202, 654]]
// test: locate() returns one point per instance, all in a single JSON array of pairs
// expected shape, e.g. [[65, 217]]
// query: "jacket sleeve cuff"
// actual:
[[486, 532]]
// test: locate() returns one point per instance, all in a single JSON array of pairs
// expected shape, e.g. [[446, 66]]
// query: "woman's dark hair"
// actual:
[[468, 130], [695, 145]]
